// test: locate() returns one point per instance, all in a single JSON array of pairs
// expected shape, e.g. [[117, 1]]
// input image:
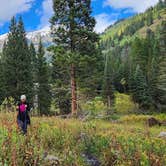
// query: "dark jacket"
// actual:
[[23, 116]]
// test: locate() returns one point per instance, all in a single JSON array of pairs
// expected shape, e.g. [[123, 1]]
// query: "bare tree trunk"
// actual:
[[109, 101], [73, 91]]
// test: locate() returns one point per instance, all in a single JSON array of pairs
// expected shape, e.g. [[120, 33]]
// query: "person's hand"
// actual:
[[17, 107]]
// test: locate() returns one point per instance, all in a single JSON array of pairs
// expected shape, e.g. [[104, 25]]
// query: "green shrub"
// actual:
[[8, 105], [123, 103], [95, 107]]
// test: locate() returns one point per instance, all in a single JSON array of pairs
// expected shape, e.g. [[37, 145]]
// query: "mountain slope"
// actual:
[[126, 30], [44, 34]]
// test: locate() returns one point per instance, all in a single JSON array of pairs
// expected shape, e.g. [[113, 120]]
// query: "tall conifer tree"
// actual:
[[161, 85], [73, 29], [33, 57], [44, 95], [17, 62], [2, 85]]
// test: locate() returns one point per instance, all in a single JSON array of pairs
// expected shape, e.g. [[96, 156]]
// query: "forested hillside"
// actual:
[[126, 30], [135, 57]]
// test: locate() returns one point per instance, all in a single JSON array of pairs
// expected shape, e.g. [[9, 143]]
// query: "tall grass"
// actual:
[[73, 142]]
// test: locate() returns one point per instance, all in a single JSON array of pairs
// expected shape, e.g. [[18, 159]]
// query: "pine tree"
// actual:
[[2, 85], [139, 53], [150, 17], [75, 33], [24, 64], [60, 81], [160, 5], [150, 72], [161, 85], [141, 90], [10, 62], [152, 65], [141, 80], [44, 95], [32, 53], [17, 62]]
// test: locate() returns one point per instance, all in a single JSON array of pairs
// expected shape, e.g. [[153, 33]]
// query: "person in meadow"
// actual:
[[23, 119]]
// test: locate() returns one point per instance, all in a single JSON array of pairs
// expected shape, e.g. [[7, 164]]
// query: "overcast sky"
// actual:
[[36, 13]]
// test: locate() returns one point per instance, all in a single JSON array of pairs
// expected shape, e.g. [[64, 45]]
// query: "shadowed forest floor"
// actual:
[[71, 142]]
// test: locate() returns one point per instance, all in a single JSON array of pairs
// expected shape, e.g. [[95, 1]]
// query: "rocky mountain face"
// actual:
[[44, 34]]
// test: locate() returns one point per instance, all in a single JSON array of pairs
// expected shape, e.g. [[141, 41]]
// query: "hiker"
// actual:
[[23, 118]]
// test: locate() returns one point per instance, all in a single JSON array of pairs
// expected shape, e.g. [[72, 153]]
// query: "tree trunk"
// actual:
[[109, 101], [73, 91]]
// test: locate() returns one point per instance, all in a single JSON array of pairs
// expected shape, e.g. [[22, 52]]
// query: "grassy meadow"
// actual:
[[72, 142]]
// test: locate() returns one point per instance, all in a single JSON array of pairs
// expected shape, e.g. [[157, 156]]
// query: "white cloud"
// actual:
[[136, 5], [46, 13], [103, 21], [10, 8]]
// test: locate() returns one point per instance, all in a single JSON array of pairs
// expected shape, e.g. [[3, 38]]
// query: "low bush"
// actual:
[[95, 107], [124, 104]]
